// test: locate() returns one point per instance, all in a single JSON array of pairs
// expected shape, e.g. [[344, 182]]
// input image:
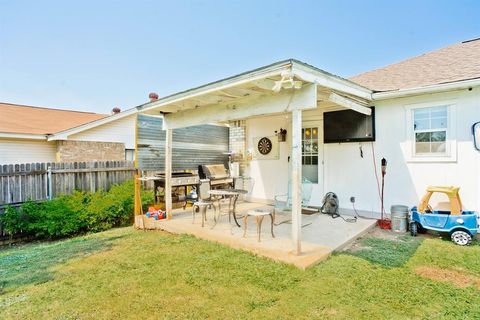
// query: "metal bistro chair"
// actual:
[[283, 202], [203, 202]]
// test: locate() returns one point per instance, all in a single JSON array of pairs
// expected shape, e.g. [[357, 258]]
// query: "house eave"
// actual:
[[438, 88], [28, 136], [63, 135]]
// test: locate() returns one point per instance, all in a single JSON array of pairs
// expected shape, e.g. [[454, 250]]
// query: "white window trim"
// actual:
[[451, 140]]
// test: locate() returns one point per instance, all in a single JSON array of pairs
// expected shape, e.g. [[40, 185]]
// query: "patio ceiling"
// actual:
[[251, 94]]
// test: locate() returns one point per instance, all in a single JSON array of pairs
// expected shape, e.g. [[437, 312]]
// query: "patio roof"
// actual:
[[258, 84]]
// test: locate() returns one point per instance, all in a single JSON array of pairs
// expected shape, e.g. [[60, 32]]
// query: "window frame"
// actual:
[[450, 154]]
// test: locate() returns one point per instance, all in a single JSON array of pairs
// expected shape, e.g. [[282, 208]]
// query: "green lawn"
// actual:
[[124, 273]]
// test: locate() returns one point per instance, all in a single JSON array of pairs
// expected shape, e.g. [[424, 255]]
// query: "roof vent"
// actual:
[[116, 110], [153, 96]]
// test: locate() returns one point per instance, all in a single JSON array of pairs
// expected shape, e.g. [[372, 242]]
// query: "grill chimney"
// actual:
[[153, 96]]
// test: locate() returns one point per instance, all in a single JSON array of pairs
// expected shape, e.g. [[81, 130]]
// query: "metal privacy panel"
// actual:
[[192, 146]]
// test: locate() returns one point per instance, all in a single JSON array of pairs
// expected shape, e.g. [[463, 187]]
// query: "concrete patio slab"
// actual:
[[321, 235]]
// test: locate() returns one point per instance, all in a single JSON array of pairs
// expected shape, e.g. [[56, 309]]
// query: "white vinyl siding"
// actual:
[[13, 151], [122, 130]]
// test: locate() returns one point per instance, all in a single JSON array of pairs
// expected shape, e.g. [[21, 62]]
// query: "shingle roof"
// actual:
[[35, 120], [457, 62]]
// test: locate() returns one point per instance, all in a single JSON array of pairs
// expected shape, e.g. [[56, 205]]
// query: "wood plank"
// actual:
[[285, 101], [296, 176]]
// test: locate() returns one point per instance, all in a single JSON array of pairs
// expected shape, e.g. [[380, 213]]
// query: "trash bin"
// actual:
[[399, 216]]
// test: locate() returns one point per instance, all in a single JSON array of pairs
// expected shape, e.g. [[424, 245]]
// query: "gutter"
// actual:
[[451, 86], [31, 136]]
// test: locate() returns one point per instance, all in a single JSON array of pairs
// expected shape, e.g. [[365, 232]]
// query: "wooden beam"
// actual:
[[330, 81], [168, 172], [265, 84], [349, 103], [238, 92], [296, 179], [285, 101]]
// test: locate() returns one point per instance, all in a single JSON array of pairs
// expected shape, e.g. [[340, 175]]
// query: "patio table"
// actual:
[[232, 196]]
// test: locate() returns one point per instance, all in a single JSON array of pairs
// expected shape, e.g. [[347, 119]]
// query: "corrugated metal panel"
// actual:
[[192, 146]]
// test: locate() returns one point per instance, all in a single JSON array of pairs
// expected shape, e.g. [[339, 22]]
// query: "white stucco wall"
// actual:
[[13, 151], [122, 130], [348, 174], [270, 176]]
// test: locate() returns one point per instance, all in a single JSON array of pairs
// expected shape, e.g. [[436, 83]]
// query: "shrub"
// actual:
[[75, 213]]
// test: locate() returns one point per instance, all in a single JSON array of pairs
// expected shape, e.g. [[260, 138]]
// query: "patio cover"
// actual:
[[286, 86]]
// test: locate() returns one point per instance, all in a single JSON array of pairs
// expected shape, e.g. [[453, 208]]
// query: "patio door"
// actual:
[[312, 157]]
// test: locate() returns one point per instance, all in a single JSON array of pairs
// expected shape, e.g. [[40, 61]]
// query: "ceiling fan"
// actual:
[[287, 82]]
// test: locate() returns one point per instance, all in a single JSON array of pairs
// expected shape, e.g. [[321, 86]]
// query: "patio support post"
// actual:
[[168, 172], [296, 177]]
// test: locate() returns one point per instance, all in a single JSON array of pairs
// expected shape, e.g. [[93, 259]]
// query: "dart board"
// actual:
[[264, 146]]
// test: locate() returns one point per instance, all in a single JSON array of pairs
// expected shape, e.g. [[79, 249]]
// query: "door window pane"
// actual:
[[310, 153]]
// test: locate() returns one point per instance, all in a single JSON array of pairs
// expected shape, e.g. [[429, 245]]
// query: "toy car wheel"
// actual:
[[413, 229], [421, 229], [461, 238]]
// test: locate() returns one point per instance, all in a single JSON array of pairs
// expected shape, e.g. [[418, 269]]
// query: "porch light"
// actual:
[[307, 132]]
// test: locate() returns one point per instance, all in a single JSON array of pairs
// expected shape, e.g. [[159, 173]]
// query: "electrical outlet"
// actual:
[[352, 199]]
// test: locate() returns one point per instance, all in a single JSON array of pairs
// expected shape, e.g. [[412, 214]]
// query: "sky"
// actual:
[[96, 55]]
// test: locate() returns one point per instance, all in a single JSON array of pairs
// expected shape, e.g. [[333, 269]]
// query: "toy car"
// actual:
[[461, 225]]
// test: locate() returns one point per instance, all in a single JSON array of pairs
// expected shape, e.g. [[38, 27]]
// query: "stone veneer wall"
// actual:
[[72, 151]]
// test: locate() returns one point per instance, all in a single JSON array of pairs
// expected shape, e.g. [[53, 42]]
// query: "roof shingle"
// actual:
[[35, 120], [457, 62]]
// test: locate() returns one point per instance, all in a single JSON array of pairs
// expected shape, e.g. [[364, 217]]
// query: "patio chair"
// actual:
[[283, 202]]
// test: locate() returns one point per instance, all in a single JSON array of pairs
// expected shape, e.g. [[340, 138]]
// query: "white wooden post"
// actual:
[[296, 184], [168, 172]]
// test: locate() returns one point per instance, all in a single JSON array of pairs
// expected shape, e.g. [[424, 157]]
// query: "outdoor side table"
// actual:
[[259, 214], [202, 208], [232, 196]]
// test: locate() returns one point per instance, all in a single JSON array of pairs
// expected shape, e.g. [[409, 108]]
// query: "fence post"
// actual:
[[49, 182]]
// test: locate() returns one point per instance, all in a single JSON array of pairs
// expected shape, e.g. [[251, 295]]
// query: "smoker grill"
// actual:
[[217, 174], [179, 180]]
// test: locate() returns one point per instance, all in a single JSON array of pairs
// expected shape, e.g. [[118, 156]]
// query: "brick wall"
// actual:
[[237, 143], [71, 151]]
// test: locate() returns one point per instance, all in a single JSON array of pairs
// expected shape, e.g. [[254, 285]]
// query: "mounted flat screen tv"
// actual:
[[348, 126]]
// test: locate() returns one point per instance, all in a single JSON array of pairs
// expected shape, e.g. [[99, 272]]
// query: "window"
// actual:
[[130, 154], [310, 153], [431, 133], [430, 127]]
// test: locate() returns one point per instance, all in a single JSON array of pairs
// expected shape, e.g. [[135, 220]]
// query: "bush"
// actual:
[[73, 214]]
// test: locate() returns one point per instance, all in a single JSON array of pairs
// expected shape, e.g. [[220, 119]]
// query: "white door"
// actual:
[[312, 158]]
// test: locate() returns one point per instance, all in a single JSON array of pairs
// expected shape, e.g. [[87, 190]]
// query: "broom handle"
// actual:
[[383, 183]]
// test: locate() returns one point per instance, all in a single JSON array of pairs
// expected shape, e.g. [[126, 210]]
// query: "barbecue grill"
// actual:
[[217, 174], [180, 180]]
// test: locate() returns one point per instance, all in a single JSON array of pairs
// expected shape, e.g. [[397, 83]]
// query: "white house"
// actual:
[[33, 134], [424, 111]]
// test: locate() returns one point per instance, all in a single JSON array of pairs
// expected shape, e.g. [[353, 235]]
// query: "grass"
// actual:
[[388, 253], [125, 274]]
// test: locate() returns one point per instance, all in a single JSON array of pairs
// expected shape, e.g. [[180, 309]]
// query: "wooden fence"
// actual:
[[42, 181]]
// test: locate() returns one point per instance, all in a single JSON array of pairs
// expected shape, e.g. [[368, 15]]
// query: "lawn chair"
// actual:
[[283, 202]]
